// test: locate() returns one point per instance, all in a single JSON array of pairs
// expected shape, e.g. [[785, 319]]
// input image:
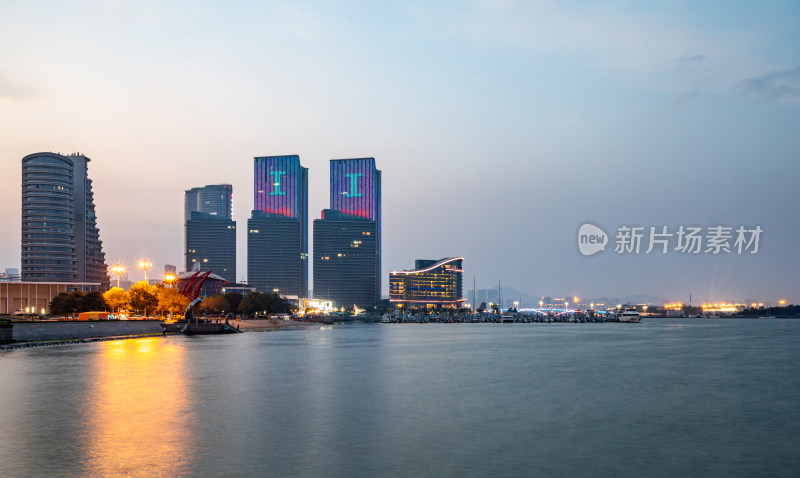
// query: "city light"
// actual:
[[118, 270], [170, 279], [145, 265]]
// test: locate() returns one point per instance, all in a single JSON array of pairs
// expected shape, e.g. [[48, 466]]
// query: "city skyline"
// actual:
[[501, 127]]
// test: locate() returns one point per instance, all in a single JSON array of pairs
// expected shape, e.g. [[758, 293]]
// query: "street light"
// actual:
[[169, 279], [145, 265], [118, 269]]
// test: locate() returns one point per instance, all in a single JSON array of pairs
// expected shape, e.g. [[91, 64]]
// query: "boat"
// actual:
[[629, 315]]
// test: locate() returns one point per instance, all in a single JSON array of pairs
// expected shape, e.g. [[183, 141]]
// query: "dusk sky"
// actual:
[[500, 127]]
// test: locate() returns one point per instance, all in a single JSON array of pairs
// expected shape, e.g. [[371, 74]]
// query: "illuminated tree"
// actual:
[[171, 301], [216, 304], [116, 298], [143, 297]]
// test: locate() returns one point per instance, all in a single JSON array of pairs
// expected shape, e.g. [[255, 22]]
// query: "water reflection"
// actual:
[[138, 411]]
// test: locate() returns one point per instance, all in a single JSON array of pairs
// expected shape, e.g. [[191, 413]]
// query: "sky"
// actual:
[[500, 127]]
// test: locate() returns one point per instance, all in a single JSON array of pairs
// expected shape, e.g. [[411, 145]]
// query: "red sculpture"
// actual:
[[191, 288]]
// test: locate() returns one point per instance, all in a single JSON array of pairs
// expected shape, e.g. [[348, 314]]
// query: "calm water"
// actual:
[[660, 398]]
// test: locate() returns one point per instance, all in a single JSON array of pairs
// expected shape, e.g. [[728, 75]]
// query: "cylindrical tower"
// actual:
[[48, 211]]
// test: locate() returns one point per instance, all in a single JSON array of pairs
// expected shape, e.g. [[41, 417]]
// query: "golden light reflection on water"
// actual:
[[138, 411]]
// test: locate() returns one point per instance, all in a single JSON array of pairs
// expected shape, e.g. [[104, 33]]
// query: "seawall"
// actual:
[[27, 331]]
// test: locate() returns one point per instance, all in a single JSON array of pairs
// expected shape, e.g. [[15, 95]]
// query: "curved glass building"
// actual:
[[429, 284], [60, 238]]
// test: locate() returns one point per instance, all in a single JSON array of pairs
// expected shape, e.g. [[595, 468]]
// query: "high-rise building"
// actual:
[[277, 231], [430, 284], [347, 239], [60, 238], [215, 200], [210, 233]]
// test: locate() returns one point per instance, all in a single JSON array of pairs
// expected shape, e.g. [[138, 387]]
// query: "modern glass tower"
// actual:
[[215, 200], [277, 231], [210, 233], [347, 239], [60, 238]]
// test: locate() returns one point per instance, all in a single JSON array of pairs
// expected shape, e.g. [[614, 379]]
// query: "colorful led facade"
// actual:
[[356, 188], [347, 239], [429, 284], [281, 186], [277, 231]]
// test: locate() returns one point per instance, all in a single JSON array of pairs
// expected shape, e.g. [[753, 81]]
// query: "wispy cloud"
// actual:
[[775, 85]]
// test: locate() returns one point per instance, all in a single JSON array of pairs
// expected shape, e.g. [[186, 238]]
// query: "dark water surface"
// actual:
[[661, 398]]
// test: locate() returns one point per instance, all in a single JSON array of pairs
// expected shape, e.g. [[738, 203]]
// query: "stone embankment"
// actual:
[[37, 331]]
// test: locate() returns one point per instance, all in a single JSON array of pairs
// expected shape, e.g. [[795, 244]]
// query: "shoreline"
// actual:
[[260, 325], [55, 343]]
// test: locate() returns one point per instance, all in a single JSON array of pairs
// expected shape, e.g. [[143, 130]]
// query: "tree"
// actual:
[[234, 299], [63, 304], [171, 301], [251, 303], [256, 302], [93, 301], [116, 298], [216, 304], [143, 297]]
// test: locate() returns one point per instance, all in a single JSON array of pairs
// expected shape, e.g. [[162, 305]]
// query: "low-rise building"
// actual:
[[35, 297], [430, 284]]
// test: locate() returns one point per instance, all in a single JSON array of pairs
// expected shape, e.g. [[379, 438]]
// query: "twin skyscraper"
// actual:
[[347, 238]]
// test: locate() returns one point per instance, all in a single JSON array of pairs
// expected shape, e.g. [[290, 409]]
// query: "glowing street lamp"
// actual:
[[170, 279], [145, 265], [118, 269]]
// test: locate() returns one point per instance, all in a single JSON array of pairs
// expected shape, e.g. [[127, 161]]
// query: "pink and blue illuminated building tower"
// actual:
[[347, 239], [277, 231]]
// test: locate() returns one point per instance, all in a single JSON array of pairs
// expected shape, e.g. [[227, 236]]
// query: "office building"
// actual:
[[430, 284], [347, 239], [215, 200], [277, 231], [60, 238], [209, 231]]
